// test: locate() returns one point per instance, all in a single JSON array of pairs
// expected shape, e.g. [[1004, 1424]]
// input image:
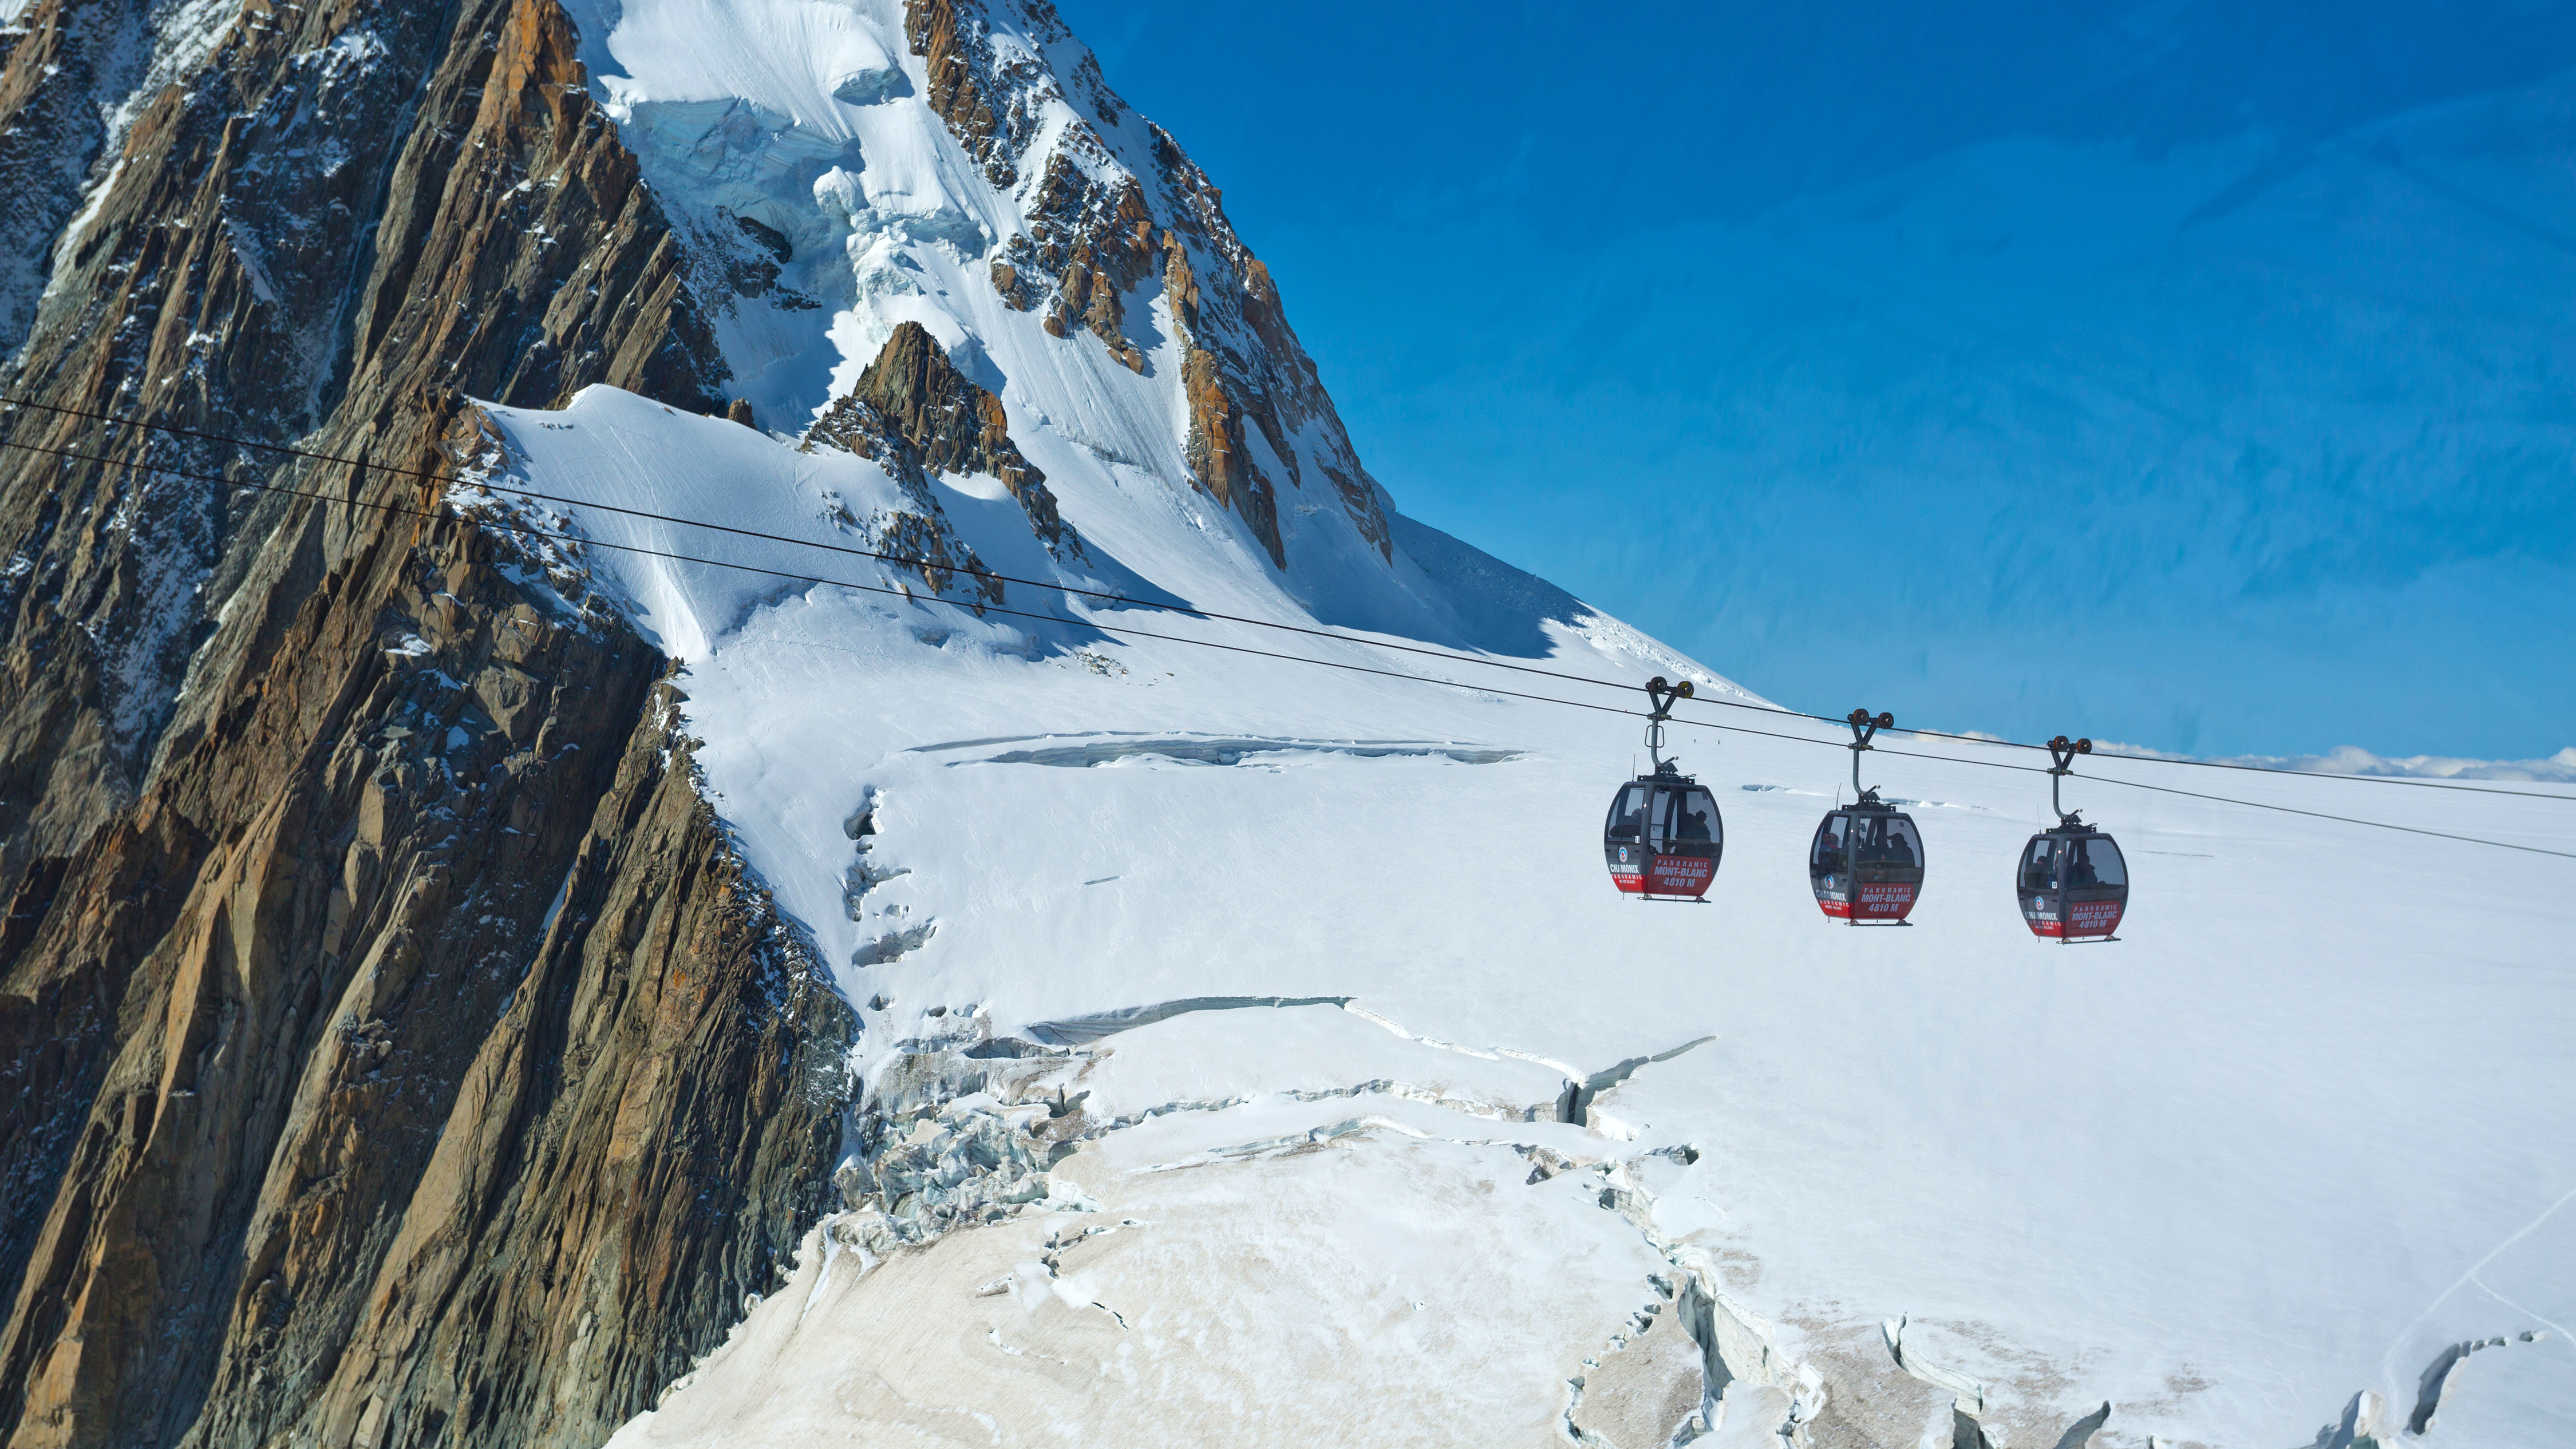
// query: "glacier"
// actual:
[[1254, 1048]]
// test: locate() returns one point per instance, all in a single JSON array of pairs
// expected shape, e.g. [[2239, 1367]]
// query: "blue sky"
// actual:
[[2201, 376]]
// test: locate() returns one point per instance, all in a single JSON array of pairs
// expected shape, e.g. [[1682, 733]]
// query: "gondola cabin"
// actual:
[[1866, 864], [1663, 838], [2073, 884]]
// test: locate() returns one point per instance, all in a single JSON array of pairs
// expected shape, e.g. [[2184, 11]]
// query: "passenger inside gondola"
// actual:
[[1901, 844], [2036, 875], [2096, 862], [1695, 824]]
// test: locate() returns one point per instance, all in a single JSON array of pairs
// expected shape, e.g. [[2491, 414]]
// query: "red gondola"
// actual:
[[1664, 835], [2072, 883], [1866, 862]]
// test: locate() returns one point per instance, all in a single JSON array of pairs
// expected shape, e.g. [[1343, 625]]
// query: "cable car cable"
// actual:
[[2227, 800], [533, 532], [2256, 769], [907, 560], [2321, 815], [977, 609], [1068, 589], [895, 558], [922, 563]]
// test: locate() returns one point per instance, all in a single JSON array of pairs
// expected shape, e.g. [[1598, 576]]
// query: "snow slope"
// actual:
[[2302, 1131], [1317, 1085]]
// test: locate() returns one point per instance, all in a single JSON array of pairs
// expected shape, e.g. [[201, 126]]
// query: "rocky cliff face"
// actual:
[[1099, 228], [339, 206], [392, 1047], [454, 1067]]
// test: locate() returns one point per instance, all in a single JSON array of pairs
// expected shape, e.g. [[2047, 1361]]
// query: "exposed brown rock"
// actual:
[[62, 56], [1099, 242], [514, 313], [1216, 451], [916, 414], [957, 91], [1006, 280], [381, 1137], [950, 424], [1097, 234], [231, 281], [391, 1048], [1263, 378]]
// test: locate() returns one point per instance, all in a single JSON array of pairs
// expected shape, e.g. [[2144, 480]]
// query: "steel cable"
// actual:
[[1120, 599]]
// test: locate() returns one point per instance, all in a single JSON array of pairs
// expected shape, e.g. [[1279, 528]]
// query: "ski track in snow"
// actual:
[[2470, 1278]]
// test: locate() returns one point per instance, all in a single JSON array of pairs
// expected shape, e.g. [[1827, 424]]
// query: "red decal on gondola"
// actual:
[[2080, 918], [1679, 875], [2092, 918], [2034, 912], [1886, 900]]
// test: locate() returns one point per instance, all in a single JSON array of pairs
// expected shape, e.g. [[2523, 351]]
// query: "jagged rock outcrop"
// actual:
[[1097, 233], [1097, 240], [931, 417], [392, 1048], [916, 414], [960, 62]]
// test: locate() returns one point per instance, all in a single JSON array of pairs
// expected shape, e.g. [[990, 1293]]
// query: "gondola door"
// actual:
[[1887, 867], [2041, 908], [1829, 865], [1683, 839], [1623, 838], [2097, 887]]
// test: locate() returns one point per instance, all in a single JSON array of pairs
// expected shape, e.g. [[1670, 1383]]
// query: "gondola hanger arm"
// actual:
[[1663, 695], [2061, 753], [1865, 727]]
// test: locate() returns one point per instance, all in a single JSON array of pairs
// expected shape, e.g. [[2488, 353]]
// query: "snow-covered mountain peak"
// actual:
[[840, 170]]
